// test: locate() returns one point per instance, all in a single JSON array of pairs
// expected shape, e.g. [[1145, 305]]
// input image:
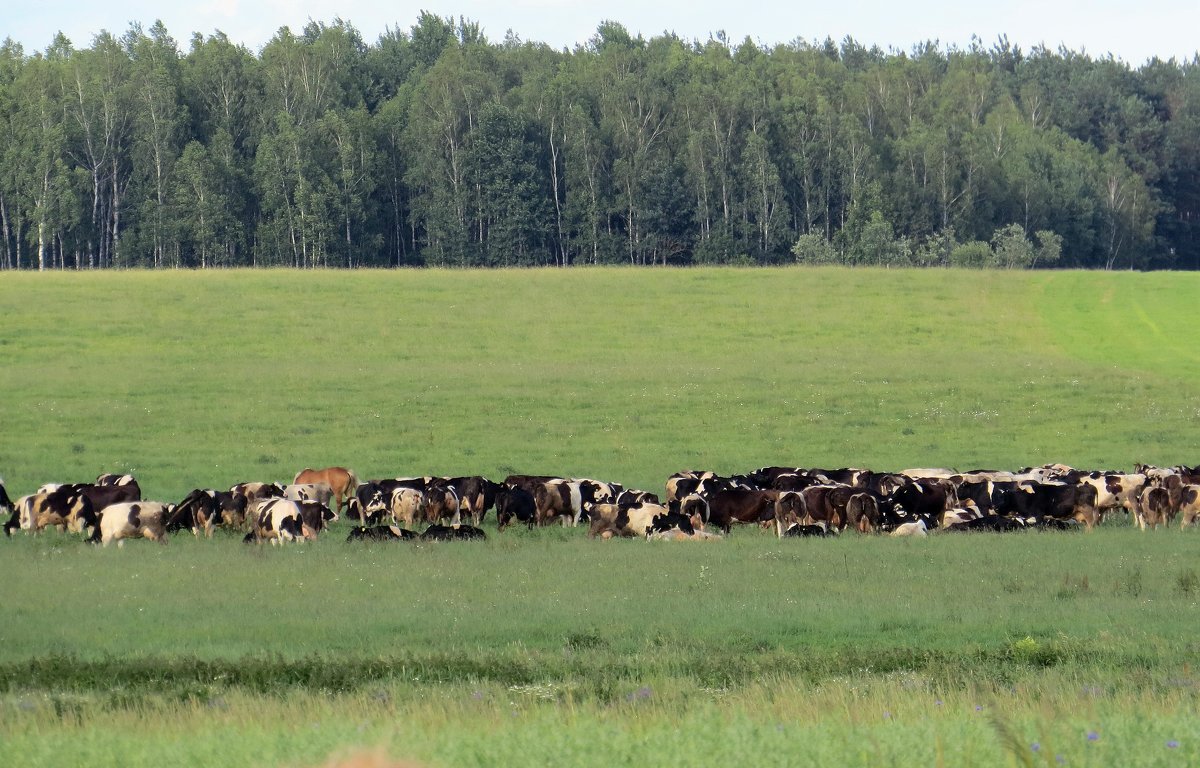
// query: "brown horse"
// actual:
[[343, 481]]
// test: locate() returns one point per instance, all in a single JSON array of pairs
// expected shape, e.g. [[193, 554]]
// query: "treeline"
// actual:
[[435, 146]]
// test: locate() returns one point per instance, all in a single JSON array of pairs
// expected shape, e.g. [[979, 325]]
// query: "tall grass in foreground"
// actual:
[[1042, 718]]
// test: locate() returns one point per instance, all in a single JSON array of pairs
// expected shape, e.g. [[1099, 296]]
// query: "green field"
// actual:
[[544, 647]]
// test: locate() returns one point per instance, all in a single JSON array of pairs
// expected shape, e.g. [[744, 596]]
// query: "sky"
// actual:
[[1131, 31]]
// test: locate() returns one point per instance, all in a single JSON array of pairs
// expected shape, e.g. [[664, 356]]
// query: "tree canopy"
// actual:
[[436, 146]]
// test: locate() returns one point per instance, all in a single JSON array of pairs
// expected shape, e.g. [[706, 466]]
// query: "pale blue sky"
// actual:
[[1132, 31]]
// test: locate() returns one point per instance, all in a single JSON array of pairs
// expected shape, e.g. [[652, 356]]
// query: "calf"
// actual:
[[132, 520], [380, 533], [796, 530], [437, 532]]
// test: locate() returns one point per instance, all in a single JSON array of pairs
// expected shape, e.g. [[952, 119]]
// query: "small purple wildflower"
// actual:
[[978, 707], [938, 702], [1035, 747], [1172, 744], [1093, 736], [887, 715], [1060, 759]]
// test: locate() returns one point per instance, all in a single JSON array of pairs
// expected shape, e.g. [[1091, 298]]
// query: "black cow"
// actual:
[[515, 503], [14, 517], [380, 533], [993, 523], [805, 531], [438, 532], [1041, 500]]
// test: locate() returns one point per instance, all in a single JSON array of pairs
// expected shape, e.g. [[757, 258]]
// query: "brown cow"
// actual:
[[726, 507], [342, 481]]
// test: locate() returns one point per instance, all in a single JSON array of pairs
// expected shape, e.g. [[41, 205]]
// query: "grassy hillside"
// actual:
[[212, 378]]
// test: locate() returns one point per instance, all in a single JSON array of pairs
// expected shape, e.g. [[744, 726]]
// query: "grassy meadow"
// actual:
[[543, 647]]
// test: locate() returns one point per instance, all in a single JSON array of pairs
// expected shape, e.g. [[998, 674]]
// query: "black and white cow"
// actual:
[[132, 520], [279, 520]]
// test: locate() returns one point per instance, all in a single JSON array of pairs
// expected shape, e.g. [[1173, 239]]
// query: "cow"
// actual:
[[634, 520], [279, 520], [679, 534], [132, 520], [685, 483], [232, 506], [1189, 505], [254, 493], [199, 511], [790, 509], [380, 533], [14, 517], [826, 504], [406, 506], [342, 483], [1040, 500], [441, 502], [437, 532], [992, 523], [1115, 491], [1153, 508], [103, 495], [961, 515], [631, 496], [315, 515], [926, 498], [917, 528], [558, 499], [515, 503], [796, 530], [110, 478], [476, 496], [66, 507], [726, 507], [319, 492]]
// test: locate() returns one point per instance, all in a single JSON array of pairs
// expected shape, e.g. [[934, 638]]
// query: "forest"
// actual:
[[435, 146]]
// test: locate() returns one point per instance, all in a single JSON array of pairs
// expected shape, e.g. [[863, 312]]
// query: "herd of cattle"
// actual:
[[792, 500]]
